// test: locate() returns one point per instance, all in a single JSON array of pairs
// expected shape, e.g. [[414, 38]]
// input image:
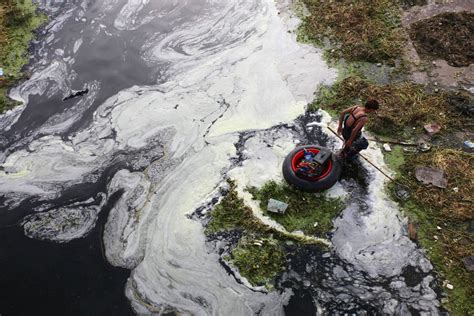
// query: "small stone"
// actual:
[[469, 263], [449, 286], [387, 147], [432, 128]]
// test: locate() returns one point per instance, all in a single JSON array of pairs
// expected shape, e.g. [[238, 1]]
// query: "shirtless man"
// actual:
[[351, 122]]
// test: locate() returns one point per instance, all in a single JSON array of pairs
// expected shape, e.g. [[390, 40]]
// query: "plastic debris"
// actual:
[[469, 263], [276, 206], [449, 286], [1, 72], [315, 224], [432, 128], [387, 147], [456, 189], [431, 176], [468, 146], [424, 147], [438, 228]]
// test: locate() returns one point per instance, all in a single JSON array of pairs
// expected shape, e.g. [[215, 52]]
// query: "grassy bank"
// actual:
[[260, 253], [442, 217], [355, 30], [19, 19], [360, 33]]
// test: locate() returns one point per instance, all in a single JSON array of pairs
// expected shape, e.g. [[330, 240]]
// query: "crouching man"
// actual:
[[351, 122]]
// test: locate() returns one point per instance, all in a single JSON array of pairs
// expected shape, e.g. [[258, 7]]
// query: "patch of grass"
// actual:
[[18, 20], [441, 216], [356, 30], [259, 255], [403, 105], [259, 259], [395, 159], [308, 212], [232, 213]]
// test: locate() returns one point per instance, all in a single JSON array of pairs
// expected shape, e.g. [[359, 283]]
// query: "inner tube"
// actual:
[[328, 173]]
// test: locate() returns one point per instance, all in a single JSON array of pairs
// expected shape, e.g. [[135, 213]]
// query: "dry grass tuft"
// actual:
[[455, 202], [403, 105], [359, 30]]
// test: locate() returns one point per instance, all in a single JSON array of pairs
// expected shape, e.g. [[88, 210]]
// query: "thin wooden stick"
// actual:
[[373, 165]]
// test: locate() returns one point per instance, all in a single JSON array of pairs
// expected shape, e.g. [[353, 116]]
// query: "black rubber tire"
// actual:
[[307, 185]]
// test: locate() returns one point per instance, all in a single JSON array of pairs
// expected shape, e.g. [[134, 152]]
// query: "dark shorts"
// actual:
[[360, 143]]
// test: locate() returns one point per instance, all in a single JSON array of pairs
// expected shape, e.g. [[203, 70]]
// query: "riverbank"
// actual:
[[19, 20], [416, 87]]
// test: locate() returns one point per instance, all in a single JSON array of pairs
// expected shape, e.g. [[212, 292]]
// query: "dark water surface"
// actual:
[[47, 278]]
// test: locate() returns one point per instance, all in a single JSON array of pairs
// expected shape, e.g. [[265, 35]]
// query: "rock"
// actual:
[[432, 176], [387, 147], [432, 128], [276, 206], [468, 263]]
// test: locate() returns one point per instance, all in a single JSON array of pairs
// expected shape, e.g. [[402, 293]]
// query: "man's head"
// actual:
[[372, 105]]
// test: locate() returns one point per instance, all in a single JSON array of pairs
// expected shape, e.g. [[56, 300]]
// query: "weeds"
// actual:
[[442, 216], [357, 30], [403, 105], [308, 212], [18, 20]]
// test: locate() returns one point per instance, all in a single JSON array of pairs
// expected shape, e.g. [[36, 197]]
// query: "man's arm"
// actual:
[[360, 123]]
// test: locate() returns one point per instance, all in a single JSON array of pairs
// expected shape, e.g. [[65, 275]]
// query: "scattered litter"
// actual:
[[258, 243], [402, 191], [456, 189], [430, 175], [313, 124], [387, 147], [435, 237], [438, 228], [412, 234], [379, 64], [449, 286], [468, 146], [423, 147], [76, 94], [410, 149], [432, 128], [469, 263], [315, 224], [276, 206], [1, 72]]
